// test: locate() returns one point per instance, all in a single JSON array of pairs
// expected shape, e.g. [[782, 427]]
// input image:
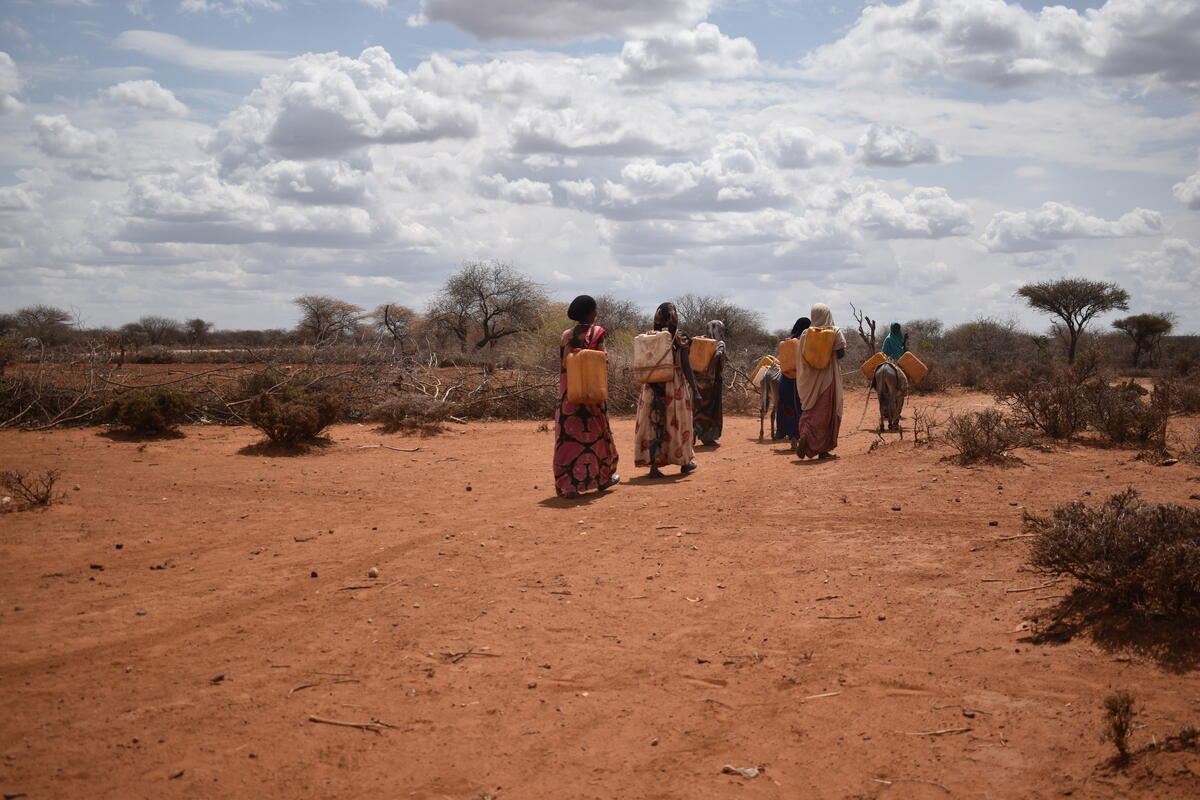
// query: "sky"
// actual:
[[217, 158]]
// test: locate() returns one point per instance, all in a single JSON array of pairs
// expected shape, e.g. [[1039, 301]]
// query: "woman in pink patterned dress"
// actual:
[[663, 434], [585, 455]]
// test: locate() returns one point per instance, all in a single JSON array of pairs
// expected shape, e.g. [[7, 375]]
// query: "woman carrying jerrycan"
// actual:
[[819, 384]]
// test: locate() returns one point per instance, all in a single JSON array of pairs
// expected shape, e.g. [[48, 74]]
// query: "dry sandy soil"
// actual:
[[858, 627]]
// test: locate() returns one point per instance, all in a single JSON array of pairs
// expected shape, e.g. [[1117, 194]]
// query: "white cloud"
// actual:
[[177, 50], [16, 198], [239, 8], [10, 85], [326, 105], [797, 147], [562, 20], [522, 191], [1002, 44], [57, 137], [589, 130], [894, 146], [1016, 232], [1174, 265], [1187, 191], [149, 96], [926, 213], [704, 52]]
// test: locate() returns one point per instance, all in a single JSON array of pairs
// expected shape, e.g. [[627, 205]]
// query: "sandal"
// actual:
[[686, 468], [613, 481]]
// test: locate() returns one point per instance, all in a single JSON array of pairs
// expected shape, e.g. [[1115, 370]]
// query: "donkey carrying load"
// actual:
[[765, 378], [891, 385]]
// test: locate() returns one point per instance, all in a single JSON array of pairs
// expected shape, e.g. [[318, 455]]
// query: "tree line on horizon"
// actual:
[[486, 305]]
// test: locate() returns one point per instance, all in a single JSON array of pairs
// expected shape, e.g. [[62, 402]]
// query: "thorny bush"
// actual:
[[1134, 555], [31, 490], [987, 436], [411, 412], [150, 411], [1119, 414]]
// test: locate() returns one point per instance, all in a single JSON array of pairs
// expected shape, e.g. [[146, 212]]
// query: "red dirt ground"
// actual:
[[759, 612]]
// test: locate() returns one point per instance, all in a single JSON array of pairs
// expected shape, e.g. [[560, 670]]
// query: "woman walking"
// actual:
[[663, 433], [585, 455], [708, 418], [820, 391], [787, 403]]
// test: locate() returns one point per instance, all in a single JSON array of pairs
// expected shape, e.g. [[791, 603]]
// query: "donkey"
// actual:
[[769, 391], [891, 385]]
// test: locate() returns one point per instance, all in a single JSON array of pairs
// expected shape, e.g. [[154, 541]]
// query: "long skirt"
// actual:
[[709, 418], [664, 424], [585, 455], [787, 410], [820, 424]]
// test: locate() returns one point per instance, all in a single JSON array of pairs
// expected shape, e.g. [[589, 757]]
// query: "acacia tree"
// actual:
[[1146, 331], [395, 320], [1075, 302], [742, 326], [487, 301], [47, 324], [325, 319], [159, 330], [196, 331]]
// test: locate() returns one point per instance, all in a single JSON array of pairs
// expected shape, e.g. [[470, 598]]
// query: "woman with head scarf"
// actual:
[[663, 433], [787, 404], [894, 344], [820, 391], [585, 455], [708, 417]]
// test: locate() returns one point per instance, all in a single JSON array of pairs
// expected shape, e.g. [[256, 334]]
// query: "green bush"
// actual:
[[1134, 555], [150, 411], [292, 416], [263, 380]]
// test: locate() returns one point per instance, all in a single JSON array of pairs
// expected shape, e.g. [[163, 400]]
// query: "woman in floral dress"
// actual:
[[585, 455]]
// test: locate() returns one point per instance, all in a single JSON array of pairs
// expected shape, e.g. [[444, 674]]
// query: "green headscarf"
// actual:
[[893, 345]]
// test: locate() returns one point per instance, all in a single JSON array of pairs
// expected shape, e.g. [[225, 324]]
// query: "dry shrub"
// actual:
[[292, 416], [987, 436], [151, 411], [411, 413], [10, 351], [1185, 396], [1120, 415], [31, 490], [1133, 555], [925, 424], [1049, 399], [155, 354], [1118, 722]]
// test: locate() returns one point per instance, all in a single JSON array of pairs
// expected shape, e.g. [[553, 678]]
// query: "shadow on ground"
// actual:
[[1172, 642]]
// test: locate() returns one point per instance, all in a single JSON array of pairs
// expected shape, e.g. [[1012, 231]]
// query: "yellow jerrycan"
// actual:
[[761, 369], [587, 376], [913, 367], [789, 355], [871, 364], [703, 350], [653, 357], [818, 346]]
